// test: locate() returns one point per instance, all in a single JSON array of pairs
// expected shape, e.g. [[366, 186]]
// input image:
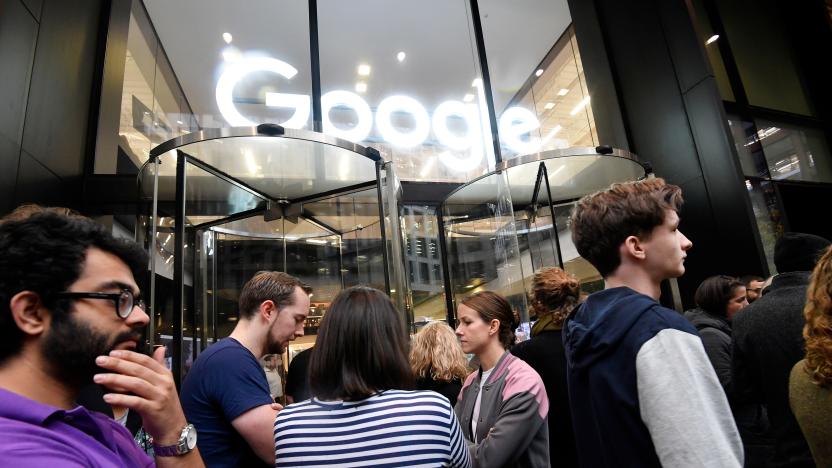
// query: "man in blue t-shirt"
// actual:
[[226, 394], [642, 390]]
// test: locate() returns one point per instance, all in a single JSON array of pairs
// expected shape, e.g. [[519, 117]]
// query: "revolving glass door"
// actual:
[[224, 204]]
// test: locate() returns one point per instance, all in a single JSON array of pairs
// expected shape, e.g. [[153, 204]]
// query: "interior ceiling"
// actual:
[[435, 34]]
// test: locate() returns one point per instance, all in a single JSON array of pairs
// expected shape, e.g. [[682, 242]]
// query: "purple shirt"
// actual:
[[38, 435]]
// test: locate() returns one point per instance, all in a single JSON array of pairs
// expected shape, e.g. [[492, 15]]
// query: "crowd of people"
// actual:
[[606, 380]]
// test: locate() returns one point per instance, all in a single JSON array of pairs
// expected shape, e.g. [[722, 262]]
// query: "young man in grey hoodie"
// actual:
[[642, 390]]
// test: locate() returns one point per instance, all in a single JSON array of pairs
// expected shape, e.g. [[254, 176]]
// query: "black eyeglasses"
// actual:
[[124, 301]]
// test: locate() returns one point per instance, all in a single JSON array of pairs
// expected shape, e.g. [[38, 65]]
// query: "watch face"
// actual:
[[191, 437]]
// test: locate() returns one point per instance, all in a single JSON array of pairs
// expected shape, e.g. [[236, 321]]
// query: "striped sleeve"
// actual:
[[460, 456], [393, 428]]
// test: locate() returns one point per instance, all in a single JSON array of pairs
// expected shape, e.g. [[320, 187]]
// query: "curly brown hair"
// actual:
[[555, 292], [818, 329]]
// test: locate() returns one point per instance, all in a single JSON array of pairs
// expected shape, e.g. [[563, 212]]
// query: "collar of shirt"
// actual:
[[19, 408]]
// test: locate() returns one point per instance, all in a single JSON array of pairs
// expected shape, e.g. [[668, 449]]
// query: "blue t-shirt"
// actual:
[[225, 381]]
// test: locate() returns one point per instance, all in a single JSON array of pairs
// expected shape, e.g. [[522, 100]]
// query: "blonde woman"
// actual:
[[810, 384], [438, 361]]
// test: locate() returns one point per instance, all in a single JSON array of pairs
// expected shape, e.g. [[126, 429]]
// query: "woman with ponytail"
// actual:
[[503, 406]]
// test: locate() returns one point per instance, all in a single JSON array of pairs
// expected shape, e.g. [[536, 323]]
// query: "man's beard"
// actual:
[[71, 346], [272, 346]]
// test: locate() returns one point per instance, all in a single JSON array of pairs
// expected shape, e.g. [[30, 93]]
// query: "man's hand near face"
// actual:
[[144, 385]]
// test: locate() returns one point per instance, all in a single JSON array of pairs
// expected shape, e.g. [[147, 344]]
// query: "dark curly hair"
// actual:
[[43, 250], [490, 306], [818, 329], [555, 292]]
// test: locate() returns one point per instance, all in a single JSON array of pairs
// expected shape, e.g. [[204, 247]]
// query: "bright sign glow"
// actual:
[[354, 102], [236, 71], [408, 105], [515, 124]]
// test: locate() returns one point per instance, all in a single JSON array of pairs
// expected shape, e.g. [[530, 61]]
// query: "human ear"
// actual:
[[28, 313], [634, 247], [268, 310], [493, 327]]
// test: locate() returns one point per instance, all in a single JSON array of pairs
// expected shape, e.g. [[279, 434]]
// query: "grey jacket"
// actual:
[[512, 429]]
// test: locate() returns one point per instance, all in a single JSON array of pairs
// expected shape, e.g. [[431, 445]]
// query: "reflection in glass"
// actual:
[[424, 265], [767, 214], [551, 105], [425, 111], [502, 227], [236, 83], [794, 153], [153, 105]]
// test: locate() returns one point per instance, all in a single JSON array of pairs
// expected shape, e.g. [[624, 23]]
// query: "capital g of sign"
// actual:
[[514, 126]]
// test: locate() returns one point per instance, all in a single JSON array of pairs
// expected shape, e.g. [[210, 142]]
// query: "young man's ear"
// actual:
[[28, 313], [267, 310], [634, 248]]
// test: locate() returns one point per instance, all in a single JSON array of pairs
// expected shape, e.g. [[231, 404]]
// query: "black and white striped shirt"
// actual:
[[392, 428]]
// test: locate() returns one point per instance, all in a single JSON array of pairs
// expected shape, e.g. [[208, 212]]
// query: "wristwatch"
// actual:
[[186, 443]]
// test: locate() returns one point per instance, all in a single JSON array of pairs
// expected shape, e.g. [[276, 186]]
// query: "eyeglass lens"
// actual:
[[125, 304]]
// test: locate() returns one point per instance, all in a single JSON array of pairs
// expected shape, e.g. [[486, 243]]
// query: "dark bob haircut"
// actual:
[[362, 348], [713, 294]]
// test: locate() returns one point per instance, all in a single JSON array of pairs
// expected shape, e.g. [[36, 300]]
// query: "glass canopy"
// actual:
[[502, 227], [222, 204]]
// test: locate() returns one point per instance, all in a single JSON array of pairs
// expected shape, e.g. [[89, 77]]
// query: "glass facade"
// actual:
[[382, 86], [153, 105], [770, 152], [366, 72], [219, 209], [503, 227]]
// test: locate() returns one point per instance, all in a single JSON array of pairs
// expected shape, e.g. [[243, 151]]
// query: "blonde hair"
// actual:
[[818, 329], [436, 353]]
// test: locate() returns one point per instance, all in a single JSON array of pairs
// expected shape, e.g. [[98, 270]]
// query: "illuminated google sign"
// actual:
[[515, 123]]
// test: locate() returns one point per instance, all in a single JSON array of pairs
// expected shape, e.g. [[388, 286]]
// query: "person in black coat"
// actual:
[[554, 294], [768, 342], [437, 361], [719, 298]]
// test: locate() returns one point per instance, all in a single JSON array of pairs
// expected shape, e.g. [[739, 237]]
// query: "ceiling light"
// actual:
[[580, 106], [549, 105], [179, 122], [563, 92], [361, 87], [400, 56], [538, 72], [476, 83], [468, 97], [712, 39], [364, 70], [227, 37]]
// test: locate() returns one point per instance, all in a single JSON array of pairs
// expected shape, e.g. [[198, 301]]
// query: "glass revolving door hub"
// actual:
[[502, 227], [222, 204]]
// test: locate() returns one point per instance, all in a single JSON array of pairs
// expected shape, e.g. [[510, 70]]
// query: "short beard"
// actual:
[[71, 346]]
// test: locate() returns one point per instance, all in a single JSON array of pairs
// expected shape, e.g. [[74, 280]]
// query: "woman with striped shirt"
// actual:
[[360, 414]]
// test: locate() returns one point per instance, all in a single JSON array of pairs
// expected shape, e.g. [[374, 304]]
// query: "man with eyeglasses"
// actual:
[[71, 314]]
